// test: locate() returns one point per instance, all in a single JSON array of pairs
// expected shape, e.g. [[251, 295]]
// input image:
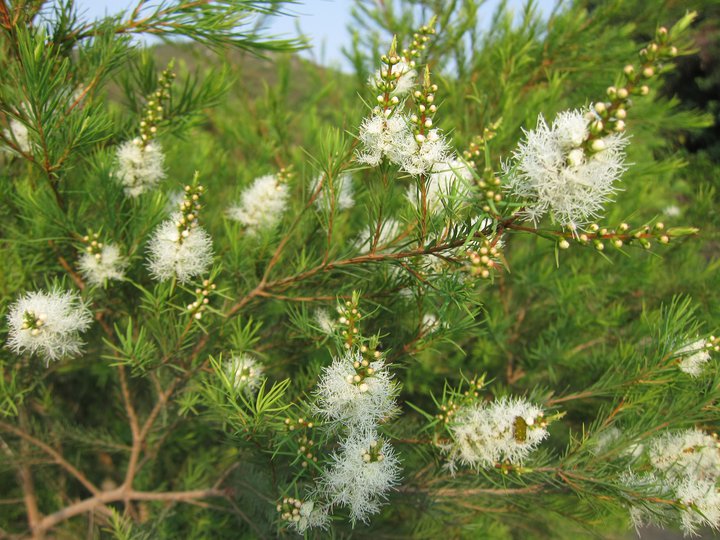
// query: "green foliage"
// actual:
[[153, 432]]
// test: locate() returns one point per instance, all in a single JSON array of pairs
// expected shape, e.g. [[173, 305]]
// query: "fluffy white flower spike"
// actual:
[[302, 516], [429, 152], [325, 322], [342, 193], [245, 373], [139, 167], [484, 434], [403, 73], [356, 392], [101, 263], [694, 356], [554, 171], [48, 323], [374, 239], [19, 134], [262, 204], [448, 178], [689, 453], [180, 247], [361, 475], [702, 505], [385, 137]]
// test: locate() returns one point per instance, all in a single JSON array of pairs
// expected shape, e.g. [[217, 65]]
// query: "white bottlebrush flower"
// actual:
[[690, 453], [382, 136], [606, 439], [356, 392], [672, 211], [449, 180], [378, 240], [99, 268], [18, 133], [702, 505], [324, 321], [430, 323], [649, 485], [174, 199], [261, 205], [303, 515], [552, 173], [342, 192], [245, 373], [183, 255], [48, 323], [693, 357], [361, 474], [139, 168], [403, 73], [485, 434], [431, 151], [311, 516]]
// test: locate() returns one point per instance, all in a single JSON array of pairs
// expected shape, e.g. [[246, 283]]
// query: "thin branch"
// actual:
[[57, 458], [123, 494], [28, 486]]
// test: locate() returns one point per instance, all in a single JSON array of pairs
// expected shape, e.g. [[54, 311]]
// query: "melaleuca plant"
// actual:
[[323, 314]]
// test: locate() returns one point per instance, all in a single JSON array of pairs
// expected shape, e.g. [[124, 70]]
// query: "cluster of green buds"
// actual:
[[460, 399], [289, 509], [34, 322], [363, 368], [424, 99], [420, 40], [93, 246], [373, 453], [488, 182], [305, 450], [713, 345], [202, 299], [598, 237], [189, 209], [154, 110], [390, 72], [482, 261], [349, 317], [299, 424], [447, 411], [608, 117], [285, 175], [474, 155]]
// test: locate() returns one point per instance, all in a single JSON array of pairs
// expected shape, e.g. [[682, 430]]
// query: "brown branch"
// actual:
[[139, 438], [69, 269], [57, 458], [5, 16], [124, 494], [26, 481]]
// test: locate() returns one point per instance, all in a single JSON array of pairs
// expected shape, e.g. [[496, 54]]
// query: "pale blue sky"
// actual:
[[325, 22]]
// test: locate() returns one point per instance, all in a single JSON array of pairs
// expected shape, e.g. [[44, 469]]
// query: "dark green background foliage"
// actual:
[[579, 331]]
